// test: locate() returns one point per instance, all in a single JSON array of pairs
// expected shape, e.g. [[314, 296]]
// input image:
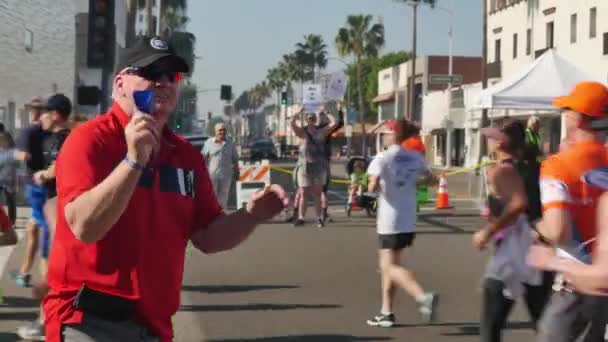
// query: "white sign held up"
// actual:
[[337, 87], [312, 97]]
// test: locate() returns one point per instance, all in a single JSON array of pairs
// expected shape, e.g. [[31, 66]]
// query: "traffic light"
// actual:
[[284, 98], [226, 92], [101, 31], [178, 122]]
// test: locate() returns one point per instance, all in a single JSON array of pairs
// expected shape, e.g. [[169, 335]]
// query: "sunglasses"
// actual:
[[155, 74]]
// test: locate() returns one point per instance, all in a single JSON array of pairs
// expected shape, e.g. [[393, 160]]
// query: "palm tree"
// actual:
[[179, 6], [361, 39], [291, 70], [173, 20], [312, 53], [258, 95], [411, 99], [242, 102], [176, 4], [276, 82], [294, 70], [183, 43]]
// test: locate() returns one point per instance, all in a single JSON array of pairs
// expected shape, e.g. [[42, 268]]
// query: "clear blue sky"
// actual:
[[239, 40]]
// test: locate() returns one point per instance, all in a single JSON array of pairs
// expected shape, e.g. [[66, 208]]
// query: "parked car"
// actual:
[[197, 140], [262, 150]]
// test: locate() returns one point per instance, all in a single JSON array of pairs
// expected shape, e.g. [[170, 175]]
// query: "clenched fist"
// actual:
[[143, 137]]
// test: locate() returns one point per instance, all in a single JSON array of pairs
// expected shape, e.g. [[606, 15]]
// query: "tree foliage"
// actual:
[[369, 70]]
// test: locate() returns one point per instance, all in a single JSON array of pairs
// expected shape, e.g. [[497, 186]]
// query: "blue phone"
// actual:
[[144, 100]]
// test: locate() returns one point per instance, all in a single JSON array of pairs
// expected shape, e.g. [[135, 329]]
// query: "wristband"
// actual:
[[133, 164]]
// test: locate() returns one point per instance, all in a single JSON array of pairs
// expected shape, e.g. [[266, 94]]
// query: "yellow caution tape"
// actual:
[[347, 181], [290, 172], [467, 169], [280, 169]]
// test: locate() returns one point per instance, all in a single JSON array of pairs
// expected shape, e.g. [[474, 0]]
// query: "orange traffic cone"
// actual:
[[443, 200]]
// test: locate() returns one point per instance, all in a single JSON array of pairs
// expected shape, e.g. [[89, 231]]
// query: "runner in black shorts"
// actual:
[[394, 174]]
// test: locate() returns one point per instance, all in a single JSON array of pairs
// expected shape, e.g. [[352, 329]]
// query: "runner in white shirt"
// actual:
[[394, 175]]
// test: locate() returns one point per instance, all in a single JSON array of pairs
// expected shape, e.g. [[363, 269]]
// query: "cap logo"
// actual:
[[158, 44]]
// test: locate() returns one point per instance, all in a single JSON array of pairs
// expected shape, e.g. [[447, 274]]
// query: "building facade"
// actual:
[[439, 121], [519, 31], [141, 19], [37, 54]]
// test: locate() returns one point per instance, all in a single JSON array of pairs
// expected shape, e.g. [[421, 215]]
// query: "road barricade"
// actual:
[[252, 178]]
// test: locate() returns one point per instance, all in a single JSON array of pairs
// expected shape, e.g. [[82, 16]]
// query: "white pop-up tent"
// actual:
[[535, 87]]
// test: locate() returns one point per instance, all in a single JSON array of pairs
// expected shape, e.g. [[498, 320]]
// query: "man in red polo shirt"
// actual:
[[131, 195]]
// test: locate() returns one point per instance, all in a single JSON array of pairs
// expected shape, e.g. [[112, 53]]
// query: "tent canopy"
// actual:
[[535, 87]]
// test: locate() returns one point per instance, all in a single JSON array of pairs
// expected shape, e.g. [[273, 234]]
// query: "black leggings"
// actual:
[[496, 307]]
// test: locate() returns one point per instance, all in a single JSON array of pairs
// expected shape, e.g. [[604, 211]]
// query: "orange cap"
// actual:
[[414, 143], [589, 98]]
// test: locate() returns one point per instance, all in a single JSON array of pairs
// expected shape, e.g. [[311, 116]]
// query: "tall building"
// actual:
[[141, 19], [520, 31], [37, 53]]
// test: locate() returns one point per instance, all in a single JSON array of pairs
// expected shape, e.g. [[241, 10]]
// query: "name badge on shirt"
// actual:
[[177, 180]]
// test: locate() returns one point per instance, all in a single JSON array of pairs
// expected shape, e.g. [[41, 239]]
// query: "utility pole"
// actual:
[[149, 22], [484, 77], [412, 81], [449, 127]]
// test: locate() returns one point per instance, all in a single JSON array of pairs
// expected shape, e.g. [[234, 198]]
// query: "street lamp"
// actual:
[[449, 126], [412, 81]]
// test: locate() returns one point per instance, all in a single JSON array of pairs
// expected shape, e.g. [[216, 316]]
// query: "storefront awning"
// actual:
[[384, 98]]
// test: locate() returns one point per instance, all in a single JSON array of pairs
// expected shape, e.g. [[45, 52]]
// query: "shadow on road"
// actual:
[[8, 337], [234, 288], [473, 329], [308, 338], [18, 316], [255, 307], [468, 328], [450, 214], [20, 302]]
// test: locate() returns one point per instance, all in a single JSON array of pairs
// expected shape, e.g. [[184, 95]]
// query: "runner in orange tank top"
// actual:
[[569, 217]]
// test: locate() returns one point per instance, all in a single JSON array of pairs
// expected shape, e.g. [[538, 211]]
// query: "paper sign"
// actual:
[[312, 97], [337, 87]]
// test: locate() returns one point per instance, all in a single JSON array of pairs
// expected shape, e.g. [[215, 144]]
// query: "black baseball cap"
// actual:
[[59, 103], [148, 50]]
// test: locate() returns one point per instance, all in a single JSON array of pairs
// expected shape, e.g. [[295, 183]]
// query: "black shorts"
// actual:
[[396, 241]]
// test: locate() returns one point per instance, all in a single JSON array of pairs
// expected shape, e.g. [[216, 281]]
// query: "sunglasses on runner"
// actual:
[[155, 74]]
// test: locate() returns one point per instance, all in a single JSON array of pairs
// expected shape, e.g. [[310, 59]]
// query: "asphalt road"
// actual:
[[307, 284]]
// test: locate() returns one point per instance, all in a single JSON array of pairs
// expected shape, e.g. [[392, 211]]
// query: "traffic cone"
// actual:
[[443, 200]]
